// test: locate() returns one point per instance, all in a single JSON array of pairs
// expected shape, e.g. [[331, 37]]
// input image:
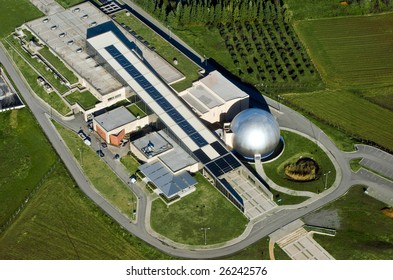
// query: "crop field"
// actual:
[[206, 207], [381, 96], [350, 113], [352, 51], [313, 9], [14, 13], [60, 222], [268, 54], [354, 240], [25, 157]]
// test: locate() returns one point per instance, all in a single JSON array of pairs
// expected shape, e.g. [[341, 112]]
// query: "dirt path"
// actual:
[[271, 250]]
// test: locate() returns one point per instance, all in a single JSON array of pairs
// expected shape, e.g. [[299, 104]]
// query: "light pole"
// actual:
[[326, 174], [205, 229]]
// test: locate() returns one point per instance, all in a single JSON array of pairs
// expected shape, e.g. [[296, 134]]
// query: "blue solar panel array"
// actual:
[[157, 96], [223, 165]]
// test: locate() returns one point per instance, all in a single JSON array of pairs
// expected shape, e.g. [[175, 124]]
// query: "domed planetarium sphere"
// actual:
[[255, 132]]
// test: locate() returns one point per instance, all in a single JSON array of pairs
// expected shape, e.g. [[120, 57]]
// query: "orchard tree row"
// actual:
[[179, 13]]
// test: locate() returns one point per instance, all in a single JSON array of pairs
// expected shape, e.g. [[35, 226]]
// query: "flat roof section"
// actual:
[[74, 23], [204, 96], [115, 118], [224, 88], [165, 180], [152, 144]]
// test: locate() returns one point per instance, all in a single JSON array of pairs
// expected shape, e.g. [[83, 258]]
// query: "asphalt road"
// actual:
[[272, 221]]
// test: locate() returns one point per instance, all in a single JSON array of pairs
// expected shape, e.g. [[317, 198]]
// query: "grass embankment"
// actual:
[[59, 65], [39, 67], [354, 240], [351, 51], [85, 99], [205, 208], [350, 113], [99, 173], [31, 77], [60, 222], [25, 157], [167, 51], [15, 13], [297, 146], [130, 163]]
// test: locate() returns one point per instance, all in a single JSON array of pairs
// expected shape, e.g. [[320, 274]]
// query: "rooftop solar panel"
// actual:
[[232, 161], [215, 169], [219, 148], [201, 156], [164, 104]]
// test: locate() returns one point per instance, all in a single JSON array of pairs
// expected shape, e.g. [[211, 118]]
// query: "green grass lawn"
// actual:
[[206, 207], [25, 157], [167, 51], [350, 112], [295, 147], [60, 222], [100, 174], [351, 51], [136, 111], [14, 13], [364, 232], [59, 65], [355, 164], [85, 98], [31, 77], [130, 163], [381, 96]]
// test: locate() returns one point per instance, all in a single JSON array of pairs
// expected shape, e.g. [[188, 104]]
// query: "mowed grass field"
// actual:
[[14, 13], [351, 51], [364, 232], [350, 113], [60, 222], [25, 157], [206, 207]]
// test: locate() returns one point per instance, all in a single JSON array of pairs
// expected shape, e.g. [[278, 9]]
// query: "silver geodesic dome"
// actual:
[[255, 132]]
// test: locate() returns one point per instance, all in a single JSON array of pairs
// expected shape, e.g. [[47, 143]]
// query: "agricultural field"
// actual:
[[314, 9], [25, 156], [351, 52], [380, 96], [269, 54], [60, 222], [354, 240], [15, 13], [348, 112], [206, 207]]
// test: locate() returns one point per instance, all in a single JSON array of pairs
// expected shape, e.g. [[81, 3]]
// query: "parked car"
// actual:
[[133, 179], [100, 153], [87, 141], [104, 145], [81, 134]]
